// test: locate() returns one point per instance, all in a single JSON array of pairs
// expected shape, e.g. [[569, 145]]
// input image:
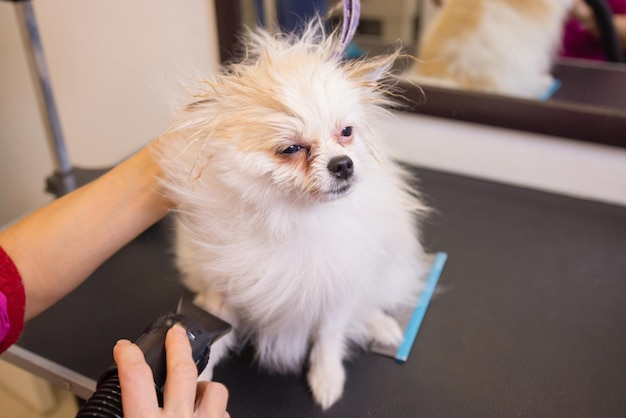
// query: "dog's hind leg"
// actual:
[[384, 329]]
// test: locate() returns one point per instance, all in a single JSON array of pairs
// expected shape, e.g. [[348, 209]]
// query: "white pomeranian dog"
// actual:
[[292, 222], [493, 46]]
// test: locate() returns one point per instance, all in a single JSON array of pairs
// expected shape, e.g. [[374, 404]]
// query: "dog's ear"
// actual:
[[371, 70]]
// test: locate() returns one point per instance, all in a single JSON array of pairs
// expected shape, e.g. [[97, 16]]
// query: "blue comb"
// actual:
[[411, 318], [422, 305]]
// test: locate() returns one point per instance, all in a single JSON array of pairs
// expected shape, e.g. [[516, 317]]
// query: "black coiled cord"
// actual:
[[106, 402], [608, 33]]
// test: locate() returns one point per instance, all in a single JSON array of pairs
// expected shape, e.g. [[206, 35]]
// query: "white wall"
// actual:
[[573, 168], [114, 66]]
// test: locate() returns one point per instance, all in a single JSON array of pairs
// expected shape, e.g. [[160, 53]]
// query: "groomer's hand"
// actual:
[[585, 16], [183, 396]]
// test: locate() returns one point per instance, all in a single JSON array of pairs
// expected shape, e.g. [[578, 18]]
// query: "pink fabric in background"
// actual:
[[578, 43]]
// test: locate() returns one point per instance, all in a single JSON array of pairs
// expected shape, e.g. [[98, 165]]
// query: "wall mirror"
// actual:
[[589, 103]]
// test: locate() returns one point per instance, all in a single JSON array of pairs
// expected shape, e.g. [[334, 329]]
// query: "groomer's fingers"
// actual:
[[182, 375], [211, 400], [138, 395]]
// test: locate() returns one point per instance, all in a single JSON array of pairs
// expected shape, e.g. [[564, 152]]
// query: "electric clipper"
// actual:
[[203, 329]]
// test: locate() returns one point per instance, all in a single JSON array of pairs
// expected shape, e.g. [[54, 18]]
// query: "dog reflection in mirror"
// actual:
[[493, 46]]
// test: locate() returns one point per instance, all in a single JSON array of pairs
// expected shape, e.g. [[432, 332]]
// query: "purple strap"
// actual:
[[5, 324], [351, 13]]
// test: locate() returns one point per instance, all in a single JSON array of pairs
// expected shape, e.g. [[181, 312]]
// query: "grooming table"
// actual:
[[529, 318]]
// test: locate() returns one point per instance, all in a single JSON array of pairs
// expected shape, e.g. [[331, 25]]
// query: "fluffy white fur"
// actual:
[[300, 260], [495, 46]]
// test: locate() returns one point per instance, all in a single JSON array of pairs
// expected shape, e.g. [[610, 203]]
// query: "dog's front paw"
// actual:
[[326, 383], [385, 330]]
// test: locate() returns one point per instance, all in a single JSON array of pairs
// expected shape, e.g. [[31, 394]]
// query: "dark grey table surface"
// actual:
[[529, 320]]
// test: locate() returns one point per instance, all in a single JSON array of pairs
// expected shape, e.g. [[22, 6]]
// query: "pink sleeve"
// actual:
[[4, 317], [12, 302]]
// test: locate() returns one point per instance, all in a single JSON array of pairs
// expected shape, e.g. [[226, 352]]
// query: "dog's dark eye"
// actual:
[[347, 131], [292, 149]]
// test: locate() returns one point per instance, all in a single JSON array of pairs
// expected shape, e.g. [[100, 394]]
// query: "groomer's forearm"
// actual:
[[61, 244]]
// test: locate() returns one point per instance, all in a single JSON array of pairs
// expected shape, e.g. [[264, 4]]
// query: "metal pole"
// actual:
[[43, 89]]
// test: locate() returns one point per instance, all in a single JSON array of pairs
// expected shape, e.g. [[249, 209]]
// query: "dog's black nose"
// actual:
[[341, 167]]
